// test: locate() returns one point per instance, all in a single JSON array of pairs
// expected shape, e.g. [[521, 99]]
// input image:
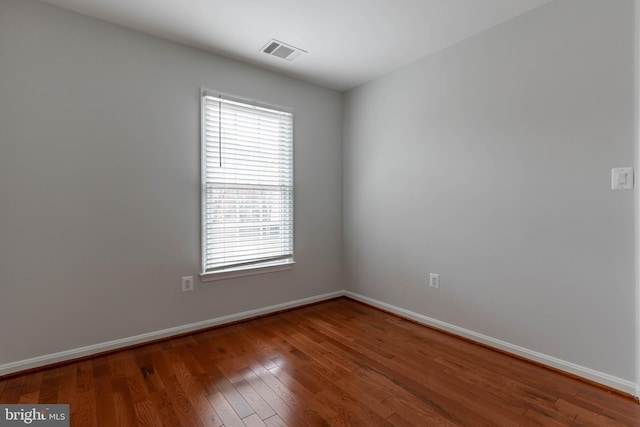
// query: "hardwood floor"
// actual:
[[339, 363]]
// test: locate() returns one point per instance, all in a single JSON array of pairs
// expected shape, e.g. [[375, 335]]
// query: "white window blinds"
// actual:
[[247, 185]]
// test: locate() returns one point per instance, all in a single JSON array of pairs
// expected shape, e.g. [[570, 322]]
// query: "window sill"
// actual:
[[230, 274]]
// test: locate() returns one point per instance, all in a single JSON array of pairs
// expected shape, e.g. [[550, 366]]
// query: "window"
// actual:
[[247, 187]]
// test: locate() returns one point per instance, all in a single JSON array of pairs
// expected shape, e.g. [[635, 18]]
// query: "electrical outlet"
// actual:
[[434, 280], [187, 283]]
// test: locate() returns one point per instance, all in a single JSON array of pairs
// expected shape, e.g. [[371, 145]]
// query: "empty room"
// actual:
[[342, 213]]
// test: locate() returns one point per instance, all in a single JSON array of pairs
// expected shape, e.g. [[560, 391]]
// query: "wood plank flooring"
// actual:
[[338, 363]]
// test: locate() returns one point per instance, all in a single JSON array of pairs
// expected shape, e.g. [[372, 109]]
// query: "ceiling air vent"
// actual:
[[282, 50]]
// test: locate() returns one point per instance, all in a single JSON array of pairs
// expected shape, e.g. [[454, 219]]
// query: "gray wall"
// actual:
[[99, 183], [489, 163]]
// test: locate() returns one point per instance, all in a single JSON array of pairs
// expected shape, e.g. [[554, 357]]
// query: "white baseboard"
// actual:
[[75, 353], [580, 371], [562, 365]]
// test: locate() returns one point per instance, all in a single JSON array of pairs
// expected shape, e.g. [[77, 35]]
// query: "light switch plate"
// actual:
[[622, 178]]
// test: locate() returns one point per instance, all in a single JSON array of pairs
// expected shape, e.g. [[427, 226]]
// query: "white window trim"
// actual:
[[241, 271], [244, 271]]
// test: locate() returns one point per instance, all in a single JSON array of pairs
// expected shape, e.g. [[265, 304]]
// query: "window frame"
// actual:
[[241, 270]]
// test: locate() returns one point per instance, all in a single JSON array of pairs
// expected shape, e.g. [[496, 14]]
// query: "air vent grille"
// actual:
[[282, 50]]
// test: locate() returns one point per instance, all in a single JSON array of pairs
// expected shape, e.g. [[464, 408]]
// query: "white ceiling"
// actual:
[[349, 42]]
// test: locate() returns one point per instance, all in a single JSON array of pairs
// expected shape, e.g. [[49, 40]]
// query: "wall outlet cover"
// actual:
[[187, 283], [434, 280]]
